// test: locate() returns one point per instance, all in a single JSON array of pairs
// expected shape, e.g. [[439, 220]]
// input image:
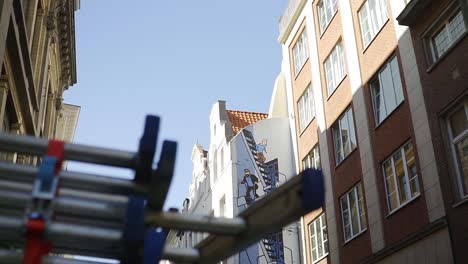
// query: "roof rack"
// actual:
[[47, 213]]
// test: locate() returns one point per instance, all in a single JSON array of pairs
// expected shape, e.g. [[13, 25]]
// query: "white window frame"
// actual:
[[361, 212], [321, 221], [443, 25], [326, 17], [306, 108], [407, 188], [460, 182], [373, 21], [300, 52], [312, 159], [334, 66], [385, 91], [348, 114]]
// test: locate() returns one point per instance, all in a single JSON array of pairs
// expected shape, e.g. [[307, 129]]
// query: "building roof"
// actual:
[[241, 119]]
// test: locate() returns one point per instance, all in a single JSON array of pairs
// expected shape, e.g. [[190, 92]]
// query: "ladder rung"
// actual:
[[77, 180], [96, 155], [16, 257], [200, 223]]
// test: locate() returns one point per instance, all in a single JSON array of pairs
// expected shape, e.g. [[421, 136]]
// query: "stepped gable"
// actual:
[[241, 119]]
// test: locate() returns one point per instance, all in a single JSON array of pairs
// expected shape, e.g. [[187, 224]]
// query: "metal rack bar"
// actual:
[[16, 257], [76, 180], [96, 155], [200, 223]]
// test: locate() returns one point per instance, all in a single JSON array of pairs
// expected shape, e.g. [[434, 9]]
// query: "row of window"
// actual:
[[372, 17], [401, 184]]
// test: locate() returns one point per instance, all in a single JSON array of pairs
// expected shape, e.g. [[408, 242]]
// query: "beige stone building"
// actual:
[[38, 63]]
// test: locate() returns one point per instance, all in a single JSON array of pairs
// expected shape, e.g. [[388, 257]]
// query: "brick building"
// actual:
[[376, 93]]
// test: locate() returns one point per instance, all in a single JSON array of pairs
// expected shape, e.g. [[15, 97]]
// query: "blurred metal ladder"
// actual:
[[101, 216]]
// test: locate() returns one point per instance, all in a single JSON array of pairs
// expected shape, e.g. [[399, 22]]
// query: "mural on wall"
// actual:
[[260, 176]]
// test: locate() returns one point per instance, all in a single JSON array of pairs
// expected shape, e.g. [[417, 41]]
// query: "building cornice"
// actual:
[[64, 21], [289, 18]]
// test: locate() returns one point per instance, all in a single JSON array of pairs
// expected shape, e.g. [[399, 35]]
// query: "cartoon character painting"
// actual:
[[251, 183], [261, 148]]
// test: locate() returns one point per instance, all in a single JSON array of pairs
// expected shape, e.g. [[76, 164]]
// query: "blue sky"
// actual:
[[173, 59]]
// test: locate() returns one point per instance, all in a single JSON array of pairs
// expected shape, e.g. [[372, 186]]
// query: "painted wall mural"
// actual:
[[260, 159]]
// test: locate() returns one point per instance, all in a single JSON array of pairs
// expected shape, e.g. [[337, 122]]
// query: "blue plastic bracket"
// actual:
[[134, 230], [313, 192], [45, 184], [154, 246], [162, 177], [147, 149]]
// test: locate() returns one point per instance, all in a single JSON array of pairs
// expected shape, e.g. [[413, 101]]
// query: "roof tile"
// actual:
[[241, 119]]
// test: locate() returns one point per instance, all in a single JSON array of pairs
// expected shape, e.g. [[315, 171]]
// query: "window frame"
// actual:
[[302, 50], [321, 7], [439, 23], [312, 157], [362, 228], [337, 123], [306, 118], [377, 78], [370, 21], [334, 69], [326, 250], [452, 141], [407, 177]]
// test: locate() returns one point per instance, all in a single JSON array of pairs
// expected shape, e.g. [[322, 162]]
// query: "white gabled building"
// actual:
[[250, 155]]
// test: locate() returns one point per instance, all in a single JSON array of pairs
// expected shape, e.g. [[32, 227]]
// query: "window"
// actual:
[[447, 32], [300, 52], [401, 177], [334, 68], [372, 16], [306, 108], [318, 238], [326, 11], [312, 160], [215, 165], [222, 206], [458, 132], [353, 213], [386, 89], [344, 137]]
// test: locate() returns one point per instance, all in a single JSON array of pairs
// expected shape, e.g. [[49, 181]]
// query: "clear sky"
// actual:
[[174, 59]]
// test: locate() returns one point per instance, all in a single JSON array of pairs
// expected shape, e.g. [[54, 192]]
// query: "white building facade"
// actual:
[[249, 156]]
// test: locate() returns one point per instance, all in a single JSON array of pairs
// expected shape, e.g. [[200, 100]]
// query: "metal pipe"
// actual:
[[16, 257], [70, 179], [200, 223], [181, 255], [96, 155], [102, 210], [64, 231]]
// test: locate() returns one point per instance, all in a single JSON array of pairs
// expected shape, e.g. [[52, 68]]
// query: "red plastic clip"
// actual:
[[56, 149], [36, 246]]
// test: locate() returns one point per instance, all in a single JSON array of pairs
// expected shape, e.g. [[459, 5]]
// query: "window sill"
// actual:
[[357, 235], [461, 202], [337, 86], [402, 205], [345, 158], [373, 39], [319, 259], [388, 116], [305, 128], [326, 27], [443, 56]]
